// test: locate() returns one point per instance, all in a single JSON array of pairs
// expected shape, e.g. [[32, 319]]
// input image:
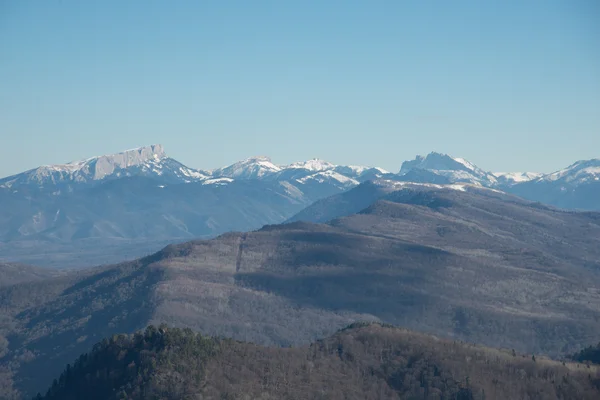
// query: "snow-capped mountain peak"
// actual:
[[512, 178], [439, 162], [312, 179], [579, 172], [149, 161], [451, 168], [360, 170], [574, 187], [314, 164], [101, 166], [253, 167], [329, 175]]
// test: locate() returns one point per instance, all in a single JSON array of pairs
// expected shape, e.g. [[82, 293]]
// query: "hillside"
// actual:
[[133, 203], [362, 196], [11, 274], [478, 266], [574, 187], [132, 217], [360, 362], [346, 203]]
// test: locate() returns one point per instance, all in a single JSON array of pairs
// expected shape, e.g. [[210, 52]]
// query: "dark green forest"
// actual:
[[363, 361], [156, 363]]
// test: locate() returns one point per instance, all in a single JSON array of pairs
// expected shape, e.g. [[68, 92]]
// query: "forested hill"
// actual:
[[360, 362]]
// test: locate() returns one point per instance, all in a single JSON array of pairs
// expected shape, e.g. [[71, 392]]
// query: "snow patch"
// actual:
[[517, 177], [461, 187], [577, 173], [251, 168], [312, 165], [360, 169], [292, 190], [325, 176], [456, 169], [217, 181], [466, 163]]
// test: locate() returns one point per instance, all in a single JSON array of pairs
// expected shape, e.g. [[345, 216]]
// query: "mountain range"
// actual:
[[459, 261], [113, 207]]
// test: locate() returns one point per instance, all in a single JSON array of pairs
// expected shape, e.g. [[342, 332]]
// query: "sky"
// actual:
[[509, 85]]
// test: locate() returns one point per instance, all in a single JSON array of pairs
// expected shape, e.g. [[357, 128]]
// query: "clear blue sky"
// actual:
[[509, 85]]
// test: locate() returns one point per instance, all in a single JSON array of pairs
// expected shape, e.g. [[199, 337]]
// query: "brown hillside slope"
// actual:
[[361, 362], [463, 265]]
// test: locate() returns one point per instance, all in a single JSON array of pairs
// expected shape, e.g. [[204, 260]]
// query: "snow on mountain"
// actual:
[[511, 178], [245, 194], [251, 168], [389, 185], [585, 171], [312, 165], [217, 181], [148, 161], [574, 187], [361, 173], [392, 185], [328, 176], [314, 178], [320, 171], [454, 169], [153, 162], [312, 171]]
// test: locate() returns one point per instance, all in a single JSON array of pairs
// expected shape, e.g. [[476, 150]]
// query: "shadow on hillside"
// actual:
[[115, 302], [368, 293]]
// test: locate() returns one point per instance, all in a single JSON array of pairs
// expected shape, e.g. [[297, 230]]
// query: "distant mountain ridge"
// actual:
[[153, 162], [150, 162], [143, 195], [455, 169], [125, 201], [364, 195], [511, 178], [575, 187]]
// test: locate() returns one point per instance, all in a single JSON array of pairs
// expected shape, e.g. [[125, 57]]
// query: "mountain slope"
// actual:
[[575, 187], [577, 173], [370, 362], [251, 168], [346, 203], [512, 178], [473, 265], [365, 194], [130, 213], [11, 274], [134, 202], [149, 162], [453, 169]]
